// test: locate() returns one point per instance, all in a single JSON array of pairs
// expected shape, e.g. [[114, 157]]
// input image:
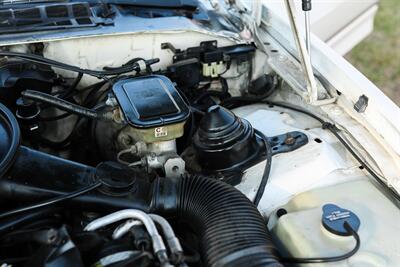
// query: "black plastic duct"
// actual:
[[232, 231]]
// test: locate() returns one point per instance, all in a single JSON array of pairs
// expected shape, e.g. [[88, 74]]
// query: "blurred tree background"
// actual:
[[378, 56]]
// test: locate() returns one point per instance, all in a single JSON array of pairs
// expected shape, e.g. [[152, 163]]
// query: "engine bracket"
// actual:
[[287, 142]]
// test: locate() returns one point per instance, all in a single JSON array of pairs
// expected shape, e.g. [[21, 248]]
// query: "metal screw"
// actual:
[[126, 140], [52, 236], [290, 140]]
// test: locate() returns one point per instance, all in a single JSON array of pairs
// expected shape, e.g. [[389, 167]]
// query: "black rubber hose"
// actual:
[[67, 93], [51, 202], [65, 105], [18, 221], [126, 68], [342, 257], [231, 229], [267, 168]]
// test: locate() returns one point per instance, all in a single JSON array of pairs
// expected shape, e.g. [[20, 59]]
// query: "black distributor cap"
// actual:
[[217, 120], [116, 179], [334, 218], [225, 142], [9, 139]]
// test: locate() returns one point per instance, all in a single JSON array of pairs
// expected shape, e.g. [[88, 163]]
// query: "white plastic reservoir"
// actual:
[[301, 233]]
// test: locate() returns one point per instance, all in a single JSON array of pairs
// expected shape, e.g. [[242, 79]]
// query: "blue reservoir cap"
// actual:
[[334, 217]]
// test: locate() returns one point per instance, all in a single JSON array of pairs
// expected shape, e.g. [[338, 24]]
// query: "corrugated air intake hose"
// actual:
[[232, 231]]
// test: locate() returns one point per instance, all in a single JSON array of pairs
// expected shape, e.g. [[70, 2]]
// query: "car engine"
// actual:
[[135, 169], [169, 149], [189, 133]]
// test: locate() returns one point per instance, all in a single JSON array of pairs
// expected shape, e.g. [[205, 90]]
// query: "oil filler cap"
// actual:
[[116, 178], [334, 217]]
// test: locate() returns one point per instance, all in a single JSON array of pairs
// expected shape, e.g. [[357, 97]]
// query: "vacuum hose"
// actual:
[[65, 105]]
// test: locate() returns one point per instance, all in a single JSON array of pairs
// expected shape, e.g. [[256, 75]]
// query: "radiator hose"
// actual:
[[231, 229]]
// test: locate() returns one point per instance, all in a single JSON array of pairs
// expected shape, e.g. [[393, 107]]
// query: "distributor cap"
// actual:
[[220, 128], [225, 142]]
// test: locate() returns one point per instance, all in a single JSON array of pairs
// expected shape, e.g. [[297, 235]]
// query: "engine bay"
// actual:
[[170, 155]]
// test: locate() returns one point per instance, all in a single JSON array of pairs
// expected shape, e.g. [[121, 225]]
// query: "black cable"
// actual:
[[95, 96], [208, 94], [71, 89], [267, 168], [95, 86], [335, 131], [23, 219], [132, 66], [13, 260], [52, 201], [64, 105], [325, 125], [196, 110], [229, 103], [347, 255]]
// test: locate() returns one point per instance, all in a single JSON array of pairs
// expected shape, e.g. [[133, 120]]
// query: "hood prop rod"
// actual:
[[303, 53], [306, 6]]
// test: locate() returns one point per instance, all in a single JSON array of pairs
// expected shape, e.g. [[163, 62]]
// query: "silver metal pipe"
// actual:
[[157, 241], [308, 31], [124, 228], [169, 234], [303, 53]]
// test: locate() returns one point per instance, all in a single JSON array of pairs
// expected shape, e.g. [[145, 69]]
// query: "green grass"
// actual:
[[378, 56]]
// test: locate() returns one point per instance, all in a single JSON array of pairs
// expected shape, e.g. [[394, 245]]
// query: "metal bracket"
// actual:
[[287, 142], [170, 46]]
